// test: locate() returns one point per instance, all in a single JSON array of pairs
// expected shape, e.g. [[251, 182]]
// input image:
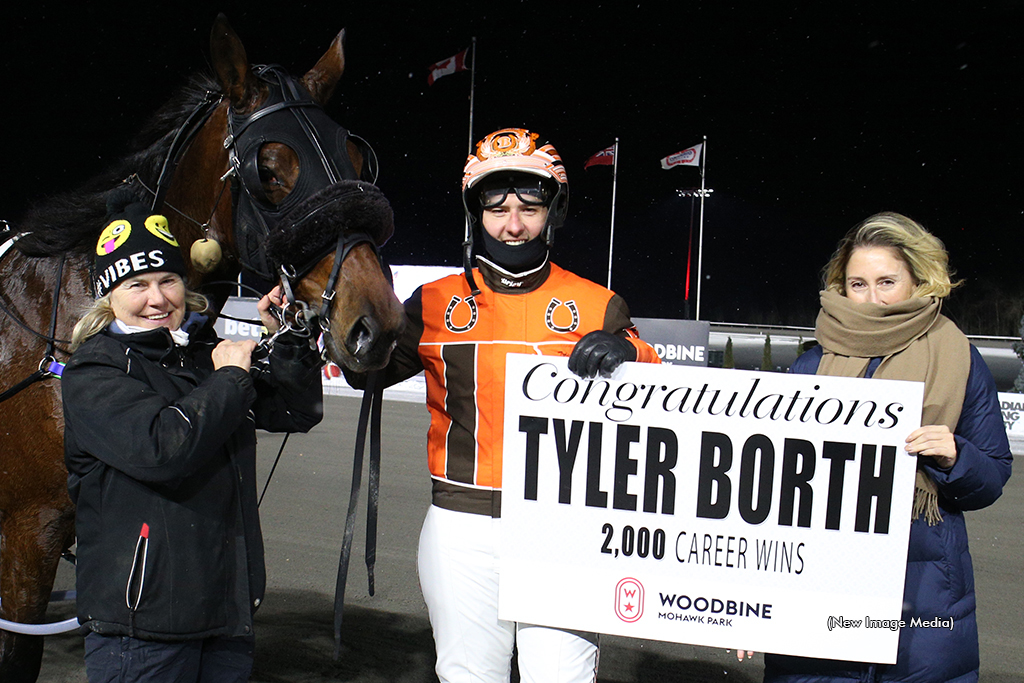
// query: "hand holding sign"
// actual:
[[935, 441], [599, 353]]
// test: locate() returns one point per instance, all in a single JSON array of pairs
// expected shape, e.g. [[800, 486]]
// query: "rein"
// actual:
[[369, 416], [182, 139]]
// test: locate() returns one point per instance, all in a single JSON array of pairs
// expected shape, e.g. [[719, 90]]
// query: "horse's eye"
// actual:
[[278, 168], [267, 177]]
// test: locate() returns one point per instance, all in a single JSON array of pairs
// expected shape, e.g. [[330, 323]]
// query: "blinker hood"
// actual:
[[291, 117], [313, 228]]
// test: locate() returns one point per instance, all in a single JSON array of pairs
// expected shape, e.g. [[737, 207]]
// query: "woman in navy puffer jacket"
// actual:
[[880, 318]]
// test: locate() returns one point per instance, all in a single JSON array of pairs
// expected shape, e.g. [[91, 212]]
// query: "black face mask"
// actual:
[[515, 259]]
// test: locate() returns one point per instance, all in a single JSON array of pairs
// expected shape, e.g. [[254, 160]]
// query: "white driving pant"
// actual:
[[458, 568]]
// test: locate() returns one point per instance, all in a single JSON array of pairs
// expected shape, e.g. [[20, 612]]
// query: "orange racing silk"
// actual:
[[461, 343]]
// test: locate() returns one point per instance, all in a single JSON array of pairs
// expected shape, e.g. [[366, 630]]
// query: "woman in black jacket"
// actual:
[[160, 446]]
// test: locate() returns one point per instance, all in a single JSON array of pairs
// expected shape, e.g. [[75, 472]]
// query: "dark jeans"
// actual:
[[119, 659]]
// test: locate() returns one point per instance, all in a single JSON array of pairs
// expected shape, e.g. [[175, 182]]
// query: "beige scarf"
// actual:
[[916, 342]]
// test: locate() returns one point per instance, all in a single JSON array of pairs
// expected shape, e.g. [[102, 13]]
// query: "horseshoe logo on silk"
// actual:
[[562, 317], [457, 314]]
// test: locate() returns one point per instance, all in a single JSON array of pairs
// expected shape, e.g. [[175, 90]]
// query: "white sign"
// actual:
[[1012, 407], [714, 507], [243, 321]]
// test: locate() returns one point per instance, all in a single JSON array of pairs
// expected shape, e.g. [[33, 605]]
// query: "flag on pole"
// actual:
[[447, 67], [606, 157], [688, 157]]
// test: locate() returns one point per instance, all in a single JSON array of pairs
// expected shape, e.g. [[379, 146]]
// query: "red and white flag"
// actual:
[[688, 157], [606, 157], [447, 67]]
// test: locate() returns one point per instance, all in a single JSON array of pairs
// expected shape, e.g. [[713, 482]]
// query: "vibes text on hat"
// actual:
[[135, 241]]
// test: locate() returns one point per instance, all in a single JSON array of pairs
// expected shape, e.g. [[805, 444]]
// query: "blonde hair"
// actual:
[[922, 252], [101, 313]]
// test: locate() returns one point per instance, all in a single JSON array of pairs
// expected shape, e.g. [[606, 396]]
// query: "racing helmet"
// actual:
[[509, 152], [512, 160]]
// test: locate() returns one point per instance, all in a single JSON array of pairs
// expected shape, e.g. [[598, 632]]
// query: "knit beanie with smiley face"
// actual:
[[134, 241]]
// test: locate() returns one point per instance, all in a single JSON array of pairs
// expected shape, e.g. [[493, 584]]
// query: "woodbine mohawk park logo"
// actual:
[[629, 600]]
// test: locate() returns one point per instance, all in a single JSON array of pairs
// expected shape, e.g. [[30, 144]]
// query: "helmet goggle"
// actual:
[[529, 192], [511, 160]]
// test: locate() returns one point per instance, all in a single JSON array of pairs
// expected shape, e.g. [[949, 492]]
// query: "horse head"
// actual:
[[291, 168]]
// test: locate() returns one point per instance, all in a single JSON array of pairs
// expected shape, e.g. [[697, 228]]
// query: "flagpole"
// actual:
[[689, 257], [472, 90], [700, 249], [611, 232]]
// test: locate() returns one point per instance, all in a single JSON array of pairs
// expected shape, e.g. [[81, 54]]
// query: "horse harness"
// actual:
[[256, 219], [289, 116], [49, 366]]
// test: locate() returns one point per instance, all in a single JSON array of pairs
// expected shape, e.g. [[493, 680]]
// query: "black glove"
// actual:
[[600, 352]]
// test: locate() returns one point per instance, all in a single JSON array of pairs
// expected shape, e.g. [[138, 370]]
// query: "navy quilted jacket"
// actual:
[[940, 578]]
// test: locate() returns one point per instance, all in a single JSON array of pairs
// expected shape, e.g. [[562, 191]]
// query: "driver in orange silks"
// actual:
[[459, 330]]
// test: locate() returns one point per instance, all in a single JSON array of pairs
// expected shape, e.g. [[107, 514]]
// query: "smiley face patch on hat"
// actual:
[[157, 225], [113, 236], [134, 241]]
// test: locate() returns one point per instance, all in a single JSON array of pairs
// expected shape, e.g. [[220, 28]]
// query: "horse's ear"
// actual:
[[321, 79], [231, 63]]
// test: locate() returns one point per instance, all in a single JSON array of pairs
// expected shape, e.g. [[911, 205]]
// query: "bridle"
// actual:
[[304, 316], [290, 116], [49, 366]]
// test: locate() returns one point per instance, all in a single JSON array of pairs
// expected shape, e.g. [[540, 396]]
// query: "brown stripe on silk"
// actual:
[[463, 499], [460, 378]]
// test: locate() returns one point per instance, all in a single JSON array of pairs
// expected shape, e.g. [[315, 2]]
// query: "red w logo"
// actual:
[[629, 600]]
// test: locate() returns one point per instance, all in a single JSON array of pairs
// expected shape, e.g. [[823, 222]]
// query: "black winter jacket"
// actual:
[[161, 458]]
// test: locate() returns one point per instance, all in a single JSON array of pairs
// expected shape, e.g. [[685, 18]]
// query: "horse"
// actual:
[[244, 159]]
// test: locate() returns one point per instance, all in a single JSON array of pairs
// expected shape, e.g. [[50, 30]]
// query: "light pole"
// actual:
[[702, 192]]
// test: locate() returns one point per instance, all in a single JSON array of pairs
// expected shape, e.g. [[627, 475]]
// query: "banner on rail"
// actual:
[[713, 507], [1012, 406]]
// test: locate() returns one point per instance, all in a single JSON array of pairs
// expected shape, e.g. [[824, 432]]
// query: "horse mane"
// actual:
[[69, 221]]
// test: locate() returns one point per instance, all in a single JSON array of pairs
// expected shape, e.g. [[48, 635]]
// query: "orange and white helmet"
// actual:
[[517, 150], [513, 149], [512, 160]]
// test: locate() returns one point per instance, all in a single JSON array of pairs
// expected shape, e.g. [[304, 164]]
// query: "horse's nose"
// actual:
[[361, 337]]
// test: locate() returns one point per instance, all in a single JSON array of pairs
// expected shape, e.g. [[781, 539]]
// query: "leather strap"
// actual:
[[369, 417]]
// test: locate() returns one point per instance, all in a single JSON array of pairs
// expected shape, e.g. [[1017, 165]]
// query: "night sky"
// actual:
[[817, 115]]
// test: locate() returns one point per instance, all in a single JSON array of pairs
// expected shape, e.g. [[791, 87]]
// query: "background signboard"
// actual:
[[243, 308], [679, 342], [1012, 407]]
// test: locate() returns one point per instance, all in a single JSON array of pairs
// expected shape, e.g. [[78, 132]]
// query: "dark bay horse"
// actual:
[[242, 158]]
